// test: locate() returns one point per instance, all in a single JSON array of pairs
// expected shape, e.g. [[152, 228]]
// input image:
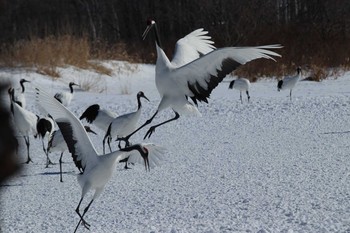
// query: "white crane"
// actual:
[[20, 97], [66, 97], [288, 83], [241, 84], [25, 121], [196, 69], [98, 116], [45, 125], [56, 143], [95, 169], [124, 125]]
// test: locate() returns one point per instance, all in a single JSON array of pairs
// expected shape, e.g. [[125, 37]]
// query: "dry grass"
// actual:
[[49, 53]]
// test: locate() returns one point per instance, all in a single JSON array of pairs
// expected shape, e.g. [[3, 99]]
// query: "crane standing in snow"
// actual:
[[66, 97], [241, 84], [288, 83]]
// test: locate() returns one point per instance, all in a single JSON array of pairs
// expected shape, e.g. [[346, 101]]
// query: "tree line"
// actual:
[[294, 23]]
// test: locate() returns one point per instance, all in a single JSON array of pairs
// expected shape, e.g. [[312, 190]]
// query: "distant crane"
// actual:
[[125, 124], [25, 121], [66, 97], [241, 84], [95, 170], [196, 69], [56, 143], [20, 97], [288, 83], [102, 118], [45, 125]]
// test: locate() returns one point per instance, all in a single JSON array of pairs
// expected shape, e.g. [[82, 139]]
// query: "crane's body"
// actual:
[[195, 70], [241, 84]]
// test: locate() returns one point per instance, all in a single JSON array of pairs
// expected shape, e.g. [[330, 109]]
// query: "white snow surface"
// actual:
[[271, 165]]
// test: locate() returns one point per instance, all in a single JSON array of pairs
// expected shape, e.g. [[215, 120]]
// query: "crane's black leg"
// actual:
[[240, 96], [290, 94], [26, 139], [153, 128], [61, 180], [109, 139], [126, 139], [248, 95], [86, 225]]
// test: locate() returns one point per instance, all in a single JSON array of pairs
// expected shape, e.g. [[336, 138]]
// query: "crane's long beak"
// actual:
[[145, 158], [146, 98], [89, 130], [144, 34]]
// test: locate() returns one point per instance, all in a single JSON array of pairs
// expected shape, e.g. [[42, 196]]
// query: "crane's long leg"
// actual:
[[153, 128], [61, 180], [86, 225], [240, 96], [290, 94], [248, 95], [126, 139], [26, 139], [48, 161]]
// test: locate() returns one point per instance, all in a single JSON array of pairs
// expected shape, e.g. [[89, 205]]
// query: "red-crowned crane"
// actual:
[[25, 121], [95, 170], [66, 97], [20, 96], [288, 83], [241, 84], [98, 116], [195, 70], [44, 126], [125, 124]]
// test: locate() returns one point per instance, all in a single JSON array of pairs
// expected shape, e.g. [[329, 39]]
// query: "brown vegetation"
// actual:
[[46, 35]]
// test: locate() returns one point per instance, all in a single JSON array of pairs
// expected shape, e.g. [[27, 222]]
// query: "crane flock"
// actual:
[[195, 70]]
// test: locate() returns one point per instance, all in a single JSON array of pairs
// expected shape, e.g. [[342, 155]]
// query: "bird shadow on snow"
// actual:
[[343, 132], [56, 173]]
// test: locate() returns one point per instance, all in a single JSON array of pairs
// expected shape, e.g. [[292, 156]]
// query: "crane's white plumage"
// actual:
[[57, 143], [241, 84], [20, 95], [196, 69], [25, 121], [288, 83], [98, 116], [125, 124], [191, 47], [66, 97], [95, 169]]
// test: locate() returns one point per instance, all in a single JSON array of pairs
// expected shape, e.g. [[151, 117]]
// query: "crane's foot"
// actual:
[[149, 133]]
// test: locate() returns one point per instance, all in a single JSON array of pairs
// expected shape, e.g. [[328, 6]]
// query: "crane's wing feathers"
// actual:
[[191, 47], [82, 150], [199, 77], [155, 155]]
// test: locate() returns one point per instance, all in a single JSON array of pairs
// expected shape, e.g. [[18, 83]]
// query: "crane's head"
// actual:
[[73, 84], [141, 148], [150, 24], [89, 130], [24, 81], [141, 94]]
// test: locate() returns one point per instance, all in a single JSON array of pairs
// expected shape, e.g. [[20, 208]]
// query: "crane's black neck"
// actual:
[[22, 85], [156, 33], [139, 104], [71, 87]]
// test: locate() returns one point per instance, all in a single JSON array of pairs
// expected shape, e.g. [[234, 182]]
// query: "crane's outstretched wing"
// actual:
[[198, 78], [78, 142], [155, 155], [191, 47]]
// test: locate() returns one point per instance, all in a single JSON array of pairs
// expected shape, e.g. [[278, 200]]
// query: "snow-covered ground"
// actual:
[[271, 165]]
